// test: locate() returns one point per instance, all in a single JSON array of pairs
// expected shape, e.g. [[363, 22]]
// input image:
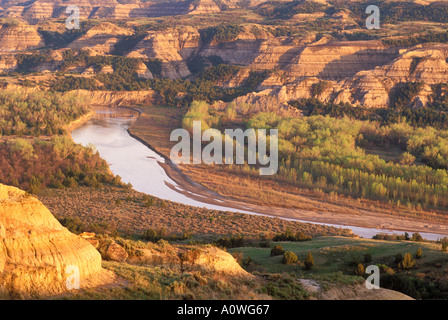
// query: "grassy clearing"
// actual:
[[333, 255]]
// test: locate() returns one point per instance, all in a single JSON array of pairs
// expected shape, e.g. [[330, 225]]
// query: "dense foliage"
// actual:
[[124, 78], [391, 11], [38, 113], [221, 33], [58, 163], [327, 153], [285, 10], [434, 114], [39, 162]]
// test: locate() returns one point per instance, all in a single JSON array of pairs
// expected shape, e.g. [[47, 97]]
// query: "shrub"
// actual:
[[398, 258], [417, 237], [309, 262], [222, 33], [359, 271], [248, 261], [406, 159], [367, 258], [407, 262], [289, 257], [154, 235], [445, 244], [238, 255], [232, 242], [401, 283], [277, 251], [318, 88], [288, 235], [419, 253]]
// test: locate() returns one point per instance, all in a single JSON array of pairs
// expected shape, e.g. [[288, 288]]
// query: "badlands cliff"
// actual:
[[358, 72], [35, 250], [100, 39], [41, 10], [19, 37]]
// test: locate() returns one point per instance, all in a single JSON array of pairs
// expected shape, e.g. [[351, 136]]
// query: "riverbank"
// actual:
[[80, 121], [153, 128]]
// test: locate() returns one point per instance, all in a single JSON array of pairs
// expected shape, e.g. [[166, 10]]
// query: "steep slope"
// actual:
[[335, 61], [172, 47], [40, 10], [19, 37], [100, 39]]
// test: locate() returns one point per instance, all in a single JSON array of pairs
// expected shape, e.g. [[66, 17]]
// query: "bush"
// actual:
[[398, 258], [154, 235], [419, 253], [277, 251], [407, 262], [417, 237], [288, 235], [248, 261], [359, 271], [309, 262], [222, 33], [367, 258], [399, 283], [238, 255], [289, 257], [318, 88], [445, 244], [232, 242]]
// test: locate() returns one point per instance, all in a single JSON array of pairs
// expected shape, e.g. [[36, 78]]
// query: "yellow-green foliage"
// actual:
[[38, 113], [199, 111], [327, 153]]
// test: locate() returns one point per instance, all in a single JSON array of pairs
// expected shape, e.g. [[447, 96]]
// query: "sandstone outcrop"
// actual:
[[7, 63], [339, 60], [205, 258], [36, 250], [360, 292], [115, 252], [19, 37], [360, 73], [100, 39], [172, 47], [41, 10], [212, 259], [118, 98]]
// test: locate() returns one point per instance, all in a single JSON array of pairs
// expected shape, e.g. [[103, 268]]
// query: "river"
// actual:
[[137, 164]]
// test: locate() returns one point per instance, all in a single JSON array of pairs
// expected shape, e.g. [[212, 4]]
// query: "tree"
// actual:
[[406, 159], [444, 244], [289, 257], [419, 253], [309, 262], [417, 237], [407, 262]]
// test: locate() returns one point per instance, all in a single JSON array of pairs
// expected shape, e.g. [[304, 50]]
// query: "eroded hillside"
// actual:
[[274, 64]]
